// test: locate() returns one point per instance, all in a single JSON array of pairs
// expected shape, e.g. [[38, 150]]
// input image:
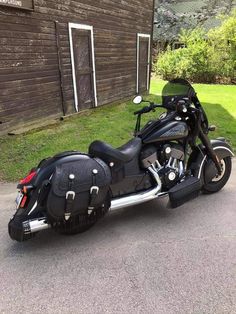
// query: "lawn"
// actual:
[[114, 124]]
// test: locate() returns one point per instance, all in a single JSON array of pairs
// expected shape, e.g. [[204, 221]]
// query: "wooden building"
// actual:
[[58, 57]]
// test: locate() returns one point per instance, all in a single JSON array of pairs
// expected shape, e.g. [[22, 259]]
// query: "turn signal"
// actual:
[[25, 190]]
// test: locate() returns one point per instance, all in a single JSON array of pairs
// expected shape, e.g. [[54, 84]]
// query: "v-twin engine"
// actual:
[[168, 163]]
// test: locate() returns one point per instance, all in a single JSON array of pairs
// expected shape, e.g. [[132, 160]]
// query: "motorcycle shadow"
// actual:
[[126, 225]]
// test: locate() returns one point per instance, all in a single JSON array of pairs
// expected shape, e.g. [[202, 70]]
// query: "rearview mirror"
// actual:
[[137, 100]]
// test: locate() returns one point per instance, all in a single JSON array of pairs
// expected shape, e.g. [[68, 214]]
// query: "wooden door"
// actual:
[[83, 68], [143, 63]]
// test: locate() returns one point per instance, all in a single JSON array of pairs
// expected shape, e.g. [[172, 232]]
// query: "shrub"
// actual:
[[190, 62], [205, 58], [168, 63], [223, 41]]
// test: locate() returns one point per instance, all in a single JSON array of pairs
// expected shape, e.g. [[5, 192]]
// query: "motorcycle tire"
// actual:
[[82, 223], [219, 182], [68, 230]]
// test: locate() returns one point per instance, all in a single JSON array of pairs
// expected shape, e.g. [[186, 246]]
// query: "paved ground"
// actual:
[[147, 259]]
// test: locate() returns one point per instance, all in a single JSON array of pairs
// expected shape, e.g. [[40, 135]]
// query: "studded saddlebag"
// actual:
[[78, 187]]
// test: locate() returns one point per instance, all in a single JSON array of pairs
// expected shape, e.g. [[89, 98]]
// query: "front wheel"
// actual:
[[219, 181]]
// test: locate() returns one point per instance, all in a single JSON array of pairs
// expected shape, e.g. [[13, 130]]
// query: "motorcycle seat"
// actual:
[[110, 154]]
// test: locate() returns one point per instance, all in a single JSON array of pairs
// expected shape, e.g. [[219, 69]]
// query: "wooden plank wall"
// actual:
[[30, 83]]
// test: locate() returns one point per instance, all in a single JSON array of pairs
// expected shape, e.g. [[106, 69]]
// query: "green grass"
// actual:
[[113, 124]]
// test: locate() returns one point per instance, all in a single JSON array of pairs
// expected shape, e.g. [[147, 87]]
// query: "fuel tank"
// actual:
[[165, 131]]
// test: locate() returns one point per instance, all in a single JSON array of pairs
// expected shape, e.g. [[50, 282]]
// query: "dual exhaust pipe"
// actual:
[[33, 226]]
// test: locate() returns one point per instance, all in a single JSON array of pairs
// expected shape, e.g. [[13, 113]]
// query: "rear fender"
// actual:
[[198, 161]]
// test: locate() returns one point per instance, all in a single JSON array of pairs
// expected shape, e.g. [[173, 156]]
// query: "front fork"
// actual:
[[209, 150]]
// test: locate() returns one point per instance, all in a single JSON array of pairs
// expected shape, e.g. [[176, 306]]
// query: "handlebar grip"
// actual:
[[143, 110], [147, 109]]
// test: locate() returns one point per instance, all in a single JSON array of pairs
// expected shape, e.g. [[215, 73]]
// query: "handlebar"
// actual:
[[147, 109], [179, 106]]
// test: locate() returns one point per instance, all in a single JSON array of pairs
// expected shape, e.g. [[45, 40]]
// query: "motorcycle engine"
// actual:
[[167, 161]]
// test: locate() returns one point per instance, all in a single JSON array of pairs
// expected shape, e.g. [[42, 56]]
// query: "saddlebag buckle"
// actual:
[[93, 195], [70, 195], [94, 190]]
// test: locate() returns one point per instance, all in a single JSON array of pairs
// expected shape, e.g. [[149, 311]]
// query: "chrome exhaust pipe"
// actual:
[[135, 199], [139, 198], [24, 230], [36, 225], [39, 224]]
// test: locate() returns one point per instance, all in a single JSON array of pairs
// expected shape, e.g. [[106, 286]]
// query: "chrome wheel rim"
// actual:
[[219, 177]]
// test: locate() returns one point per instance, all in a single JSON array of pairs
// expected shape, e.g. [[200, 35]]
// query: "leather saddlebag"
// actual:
[[79, 188]]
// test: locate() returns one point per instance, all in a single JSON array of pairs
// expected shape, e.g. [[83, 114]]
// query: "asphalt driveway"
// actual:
[[145, 259]]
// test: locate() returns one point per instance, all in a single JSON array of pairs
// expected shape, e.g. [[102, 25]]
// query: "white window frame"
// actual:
[[90, 28], [140, 35]]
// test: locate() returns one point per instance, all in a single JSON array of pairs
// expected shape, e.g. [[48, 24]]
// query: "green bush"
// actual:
[[206, 57], [223, 42], [190, 62]]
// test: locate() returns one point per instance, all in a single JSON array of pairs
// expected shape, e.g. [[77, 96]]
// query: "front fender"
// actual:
[[198, 157]]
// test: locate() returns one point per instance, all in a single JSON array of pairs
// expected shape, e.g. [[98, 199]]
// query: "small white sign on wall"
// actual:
[[20, 4]]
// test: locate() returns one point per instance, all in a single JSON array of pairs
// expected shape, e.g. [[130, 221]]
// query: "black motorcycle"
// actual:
[[71, 191]]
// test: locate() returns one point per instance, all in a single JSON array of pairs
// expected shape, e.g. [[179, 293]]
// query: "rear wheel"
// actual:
[[83, 222], [73, 229], [219, 181]]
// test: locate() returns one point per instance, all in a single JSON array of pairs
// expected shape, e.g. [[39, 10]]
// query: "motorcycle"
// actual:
[[171, 155]]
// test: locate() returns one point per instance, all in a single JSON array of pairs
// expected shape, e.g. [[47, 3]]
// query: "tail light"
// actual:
[[29, 177], [23, 202]]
